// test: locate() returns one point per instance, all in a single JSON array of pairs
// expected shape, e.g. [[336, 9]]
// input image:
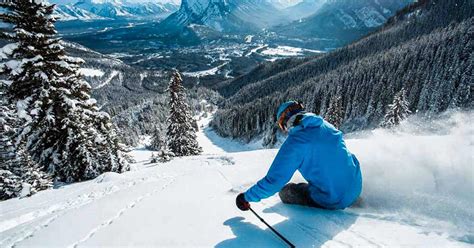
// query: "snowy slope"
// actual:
[[189, 202]]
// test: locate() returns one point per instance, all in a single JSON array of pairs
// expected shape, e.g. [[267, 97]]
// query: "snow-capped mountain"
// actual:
[[226, 15], [70, 12], [343, 19], [99, 9], [117, 8]]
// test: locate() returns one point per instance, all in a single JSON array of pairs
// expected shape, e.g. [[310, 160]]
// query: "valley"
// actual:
[[139, 44], [213, 41]]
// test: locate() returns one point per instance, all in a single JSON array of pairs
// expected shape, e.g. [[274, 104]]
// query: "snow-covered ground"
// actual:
[[418, 192], [91, 72], [109, 79], [212, 71], [287, 51]]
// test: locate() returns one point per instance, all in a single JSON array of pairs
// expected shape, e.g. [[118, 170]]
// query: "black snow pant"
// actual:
[[298, 194]]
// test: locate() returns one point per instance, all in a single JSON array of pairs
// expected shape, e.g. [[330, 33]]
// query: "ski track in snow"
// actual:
[[120, 213], [57, 211]]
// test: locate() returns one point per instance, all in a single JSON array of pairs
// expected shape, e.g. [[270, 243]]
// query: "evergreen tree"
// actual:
[[270, 137], [18, 173], [64, 131], [162, 156], [158, 140], [181, 131], [335, 112], [397, 111], [8, 121], [10, 183], [32, 177]]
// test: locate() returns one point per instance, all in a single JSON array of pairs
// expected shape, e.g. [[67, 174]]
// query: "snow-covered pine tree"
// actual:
[[64, 131], [181, 132], [32, 177], [158, 140], [18, 173], [397, 111], [270, 137], [8, 121], [335, 112], [162, 156], [10, 183]]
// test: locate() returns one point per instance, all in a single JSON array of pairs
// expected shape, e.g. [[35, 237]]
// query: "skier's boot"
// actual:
[[297, 194]]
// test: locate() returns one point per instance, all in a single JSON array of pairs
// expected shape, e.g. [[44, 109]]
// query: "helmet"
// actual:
[[286, 111]]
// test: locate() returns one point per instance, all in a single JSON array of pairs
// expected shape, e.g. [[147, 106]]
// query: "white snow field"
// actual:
[[418, 192]]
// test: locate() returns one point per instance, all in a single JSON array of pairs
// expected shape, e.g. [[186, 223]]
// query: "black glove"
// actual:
[[241, 203]]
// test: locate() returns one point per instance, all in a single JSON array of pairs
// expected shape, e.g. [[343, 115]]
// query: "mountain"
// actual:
[[117, 8], [229, 16], [70, 12], [425, 49], [304, 9], [339, 20], [112, 9]]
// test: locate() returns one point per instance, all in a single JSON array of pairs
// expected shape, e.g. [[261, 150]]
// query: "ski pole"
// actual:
[[274, 231]]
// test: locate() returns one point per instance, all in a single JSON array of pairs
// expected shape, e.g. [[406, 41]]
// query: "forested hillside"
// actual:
[[133, 96], [427, 49]]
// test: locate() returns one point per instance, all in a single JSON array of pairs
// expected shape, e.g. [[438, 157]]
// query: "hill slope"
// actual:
[[189, 202], [340, 20], [427, 49]]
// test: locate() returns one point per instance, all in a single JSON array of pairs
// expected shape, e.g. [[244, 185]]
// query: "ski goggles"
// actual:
[[290, 111]]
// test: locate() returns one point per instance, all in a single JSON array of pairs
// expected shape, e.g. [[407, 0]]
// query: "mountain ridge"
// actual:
[[341, 20], [233, 16], [87, 10]]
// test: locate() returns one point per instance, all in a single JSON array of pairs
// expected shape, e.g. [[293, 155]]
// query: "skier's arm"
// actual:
[[287, 161]]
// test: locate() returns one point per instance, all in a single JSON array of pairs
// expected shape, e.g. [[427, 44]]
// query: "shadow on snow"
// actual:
[[304, 227]]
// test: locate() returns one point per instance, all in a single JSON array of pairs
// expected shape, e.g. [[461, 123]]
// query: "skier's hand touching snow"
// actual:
[[241, 203]]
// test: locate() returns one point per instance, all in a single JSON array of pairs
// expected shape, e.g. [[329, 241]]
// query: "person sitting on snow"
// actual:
[[317, 150]]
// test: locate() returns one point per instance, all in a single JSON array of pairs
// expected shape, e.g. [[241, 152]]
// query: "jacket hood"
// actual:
[[309, 120]]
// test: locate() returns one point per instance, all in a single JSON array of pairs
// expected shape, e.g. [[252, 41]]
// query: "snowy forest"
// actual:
[[154, 136], [425, 49]]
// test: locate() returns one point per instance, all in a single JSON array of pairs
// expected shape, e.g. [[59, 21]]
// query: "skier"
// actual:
[[316, 149]]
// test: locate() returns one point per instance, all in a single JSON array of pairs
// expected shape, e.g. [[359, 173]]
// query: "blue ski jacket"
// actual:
[[317, 149]]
